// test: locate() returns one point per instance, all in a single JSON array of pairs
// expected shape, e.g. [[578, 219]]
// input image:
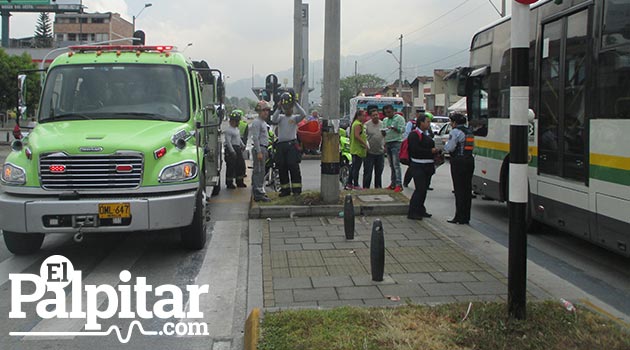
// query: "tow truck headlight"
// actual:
[[13, 175], [178, 172]]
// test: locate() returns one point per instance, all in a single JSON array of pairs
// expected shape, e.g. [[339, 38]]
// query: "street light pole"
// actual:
[[138, 15], [187, 46], [399, 66]]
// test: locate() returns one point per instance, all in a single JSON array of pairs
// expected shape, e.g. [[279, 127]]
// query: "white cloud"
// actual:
[[233, 35]]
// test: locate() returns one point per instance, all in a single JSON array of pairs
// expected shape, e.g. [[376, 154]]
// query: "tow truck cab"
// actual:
[[127, 139]]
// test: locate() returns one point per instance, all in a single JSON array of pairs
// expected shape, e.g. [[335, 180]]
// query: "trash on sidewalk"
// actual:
[[467, 312], [568, 305], [392, 297]]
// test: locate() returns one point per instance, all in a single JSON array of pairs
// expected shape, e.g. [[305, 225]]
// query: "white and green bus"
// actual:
[[579, 139]]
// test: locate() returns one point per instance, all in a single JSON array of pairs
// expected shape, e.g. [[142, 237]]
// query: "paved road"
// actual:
[[158, 257]]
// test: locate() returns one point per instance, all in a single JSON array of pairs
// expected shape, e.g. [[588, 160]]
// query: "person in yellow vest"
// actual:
[[243, 126], [358, 149]]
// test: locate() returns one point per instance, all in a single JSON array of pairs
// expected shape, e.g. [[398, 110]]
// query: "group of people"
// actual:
[[288, 153], [422, 152], [371, 139]]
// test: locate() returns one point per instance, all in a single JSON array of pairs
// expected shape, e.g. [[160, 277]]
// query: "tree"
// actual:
[[9, 68], [351, 85], [43, 31]]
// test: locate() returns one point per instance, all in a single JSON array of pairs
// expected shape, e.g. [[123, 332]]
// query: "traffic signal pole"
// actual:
[[518, 193]]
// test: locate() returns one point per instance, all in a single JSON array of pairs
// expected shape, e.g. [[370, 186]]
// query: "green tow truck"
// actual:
[[127, 139]]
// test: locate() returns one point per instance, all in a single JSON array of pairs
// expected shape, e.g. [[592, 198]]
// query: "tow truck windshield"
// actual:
[[120, 91]]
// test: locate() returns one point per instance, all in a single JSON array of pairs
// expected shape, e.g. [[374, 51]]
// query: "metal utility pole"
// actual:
[[400, 69], [304, 101], [5, 28], [297, 47], [329, 188], [517, 207], [356, 77]]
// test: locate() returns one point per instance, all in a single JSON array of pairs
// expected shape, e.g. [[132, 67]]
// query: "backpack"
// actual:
[[403, 155]]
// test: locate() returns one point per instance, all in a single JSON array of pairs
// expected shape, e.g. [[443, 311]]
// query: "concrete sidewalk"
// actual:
[[307, 262]]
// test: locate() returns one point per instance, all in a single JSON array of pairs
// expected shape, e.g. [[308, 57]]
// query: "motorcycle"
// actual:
[[344, 157]]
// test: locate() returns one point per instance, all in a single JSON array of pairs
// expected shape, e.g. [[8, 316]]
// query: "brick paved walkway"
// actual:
[[308, 262]]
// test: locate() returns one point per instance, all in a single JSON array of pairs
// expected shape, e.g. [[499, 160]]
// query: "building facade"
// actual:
[[84, 28]]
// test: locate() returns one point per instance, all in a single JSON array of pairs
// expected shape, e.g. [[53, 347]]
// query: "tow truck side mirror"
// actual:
[[21, 102]]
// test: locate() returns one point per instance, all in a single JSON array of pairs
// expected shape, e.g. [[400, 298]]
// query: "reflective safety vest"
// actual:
[[469, 142]]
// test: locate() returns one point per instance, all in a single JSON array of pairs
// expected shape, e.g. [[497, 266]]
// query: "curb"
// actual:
[[252, 330], [276, 211]]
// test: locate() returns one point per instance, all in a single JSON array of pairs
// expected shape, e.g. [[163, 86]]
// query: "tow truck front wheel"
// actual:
[[23, 243], [194, 236]]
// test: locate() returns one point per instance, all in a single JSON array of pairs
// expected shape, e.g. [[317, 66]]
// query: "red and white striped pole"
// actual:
[[519, 105]]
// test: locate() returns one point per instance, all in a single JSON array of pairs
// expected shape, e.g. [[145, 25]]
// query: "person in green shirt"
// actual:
[[358, 149], [394, 130]]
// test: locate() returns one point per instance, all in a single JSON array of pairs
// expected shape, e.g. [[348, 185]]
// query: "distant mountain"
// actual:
[[417, 60]]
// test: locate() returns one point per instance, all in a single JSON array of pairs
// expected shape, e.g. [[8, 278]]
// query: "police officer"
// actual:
[[288, 155], [460, 145]]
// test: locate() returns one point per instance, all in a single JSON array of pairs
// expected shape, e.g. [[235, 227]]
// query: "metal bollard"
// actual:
[[377, 251], [348, 217]]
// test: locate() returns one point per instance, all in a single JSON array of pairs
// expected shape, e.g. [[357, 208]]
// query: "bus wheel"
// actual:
[[194, 235], [23, 243]]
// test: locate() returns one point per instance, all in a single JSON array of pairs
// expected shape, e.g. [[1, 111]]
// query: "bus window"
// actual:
[[574, 96], [548, 157], [614, 63], [478, 112], [616, 30]]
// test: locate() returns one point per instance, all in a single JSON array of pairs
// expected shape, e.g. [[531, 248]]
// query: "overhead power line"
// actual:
[[438, 18], [437, 61]]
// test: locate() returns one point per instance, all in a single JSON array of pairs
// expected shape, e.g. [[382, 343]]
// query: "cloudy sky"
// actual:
[[233, 35]]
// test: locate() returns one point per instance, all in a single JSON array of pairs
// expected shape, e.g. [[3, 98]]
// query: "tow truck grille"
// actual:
[[90, 172]]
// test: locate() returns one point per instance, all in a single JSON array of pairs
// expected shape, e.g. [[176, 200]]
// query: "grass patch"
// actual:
[[548, 327], [313, 197]]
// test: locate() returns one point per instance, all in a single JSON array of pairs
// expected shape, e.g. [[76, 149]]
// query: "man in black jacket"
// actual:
[[421, 153]]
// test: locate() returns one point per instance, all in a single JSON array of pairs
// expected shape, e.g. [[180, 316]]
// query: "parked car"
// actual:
[[441, 137], [439, 121]]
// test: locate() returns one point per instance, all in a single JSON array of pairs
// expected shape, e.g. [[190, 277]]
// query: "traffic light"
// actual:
[[271, 86], [139, 34]]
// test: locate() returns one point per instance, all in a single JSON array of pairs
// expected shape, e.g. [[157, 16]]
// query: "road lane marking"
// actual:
[[220, 271], [106, 272]]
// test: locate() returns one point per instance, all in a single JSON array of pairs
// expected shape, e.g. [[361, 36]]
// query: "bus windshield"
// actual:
[[120, 91]]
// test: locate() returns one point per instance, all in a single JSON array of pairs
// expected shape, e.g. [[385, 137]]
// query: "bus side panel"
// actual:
[[489, 158], [564, 207], [609, 181], [613, 229]]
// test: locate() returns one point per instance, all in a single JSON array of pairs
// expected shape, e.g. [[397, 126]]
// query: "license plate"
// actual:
[[114, 210]]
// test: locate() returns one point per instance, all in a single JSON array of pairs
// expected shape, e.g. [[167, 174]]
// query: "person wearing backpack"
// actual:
[[421, 150]]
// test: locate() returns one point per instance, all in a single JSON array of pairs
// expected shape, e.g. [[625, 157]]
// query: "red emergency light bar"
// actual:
[[128, 48]]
